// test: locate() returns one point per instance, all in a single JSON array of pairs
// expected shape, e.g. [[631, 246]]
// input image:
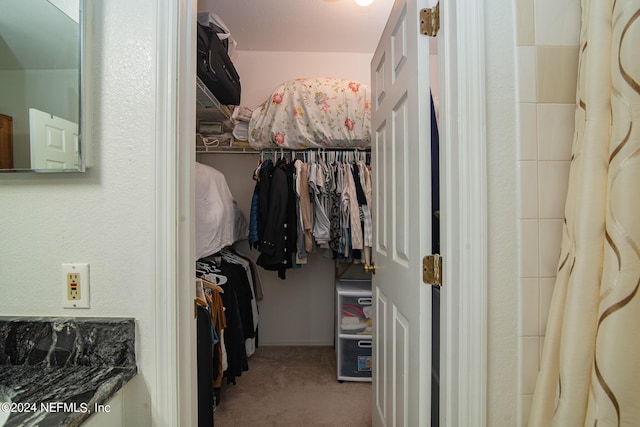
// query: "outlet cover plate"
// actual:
[[81, 272]]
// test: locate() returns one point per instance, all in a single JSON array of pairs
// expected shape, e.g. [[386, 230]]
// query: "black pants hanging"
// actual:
[[205, 368]]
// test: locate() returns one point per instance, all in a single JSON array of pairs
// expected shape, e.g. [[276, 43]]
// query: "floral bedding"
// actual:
[[313, 113]]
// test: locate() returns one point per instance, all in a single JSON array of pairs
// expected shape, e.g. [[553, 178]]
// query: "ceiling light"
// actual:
[[364, 2]]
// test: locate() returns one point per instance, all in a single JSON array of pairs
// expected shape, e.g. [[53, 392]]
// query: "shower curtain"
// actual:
[[590, 366]]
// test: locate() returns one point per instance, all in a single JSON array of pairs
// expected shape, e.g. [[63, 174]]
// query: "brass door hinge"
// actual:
[[430, 21], [432, 270]]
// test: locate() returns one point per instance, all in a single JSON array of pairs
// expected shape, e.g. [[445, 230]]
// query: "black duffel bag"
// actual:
[[215, 68]]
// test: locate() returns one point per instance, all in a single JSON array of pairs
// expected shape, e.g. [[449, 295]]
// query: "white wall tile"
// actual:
[[557, 23], [556, 73], [529, 257], [525, 25], [555, 131], [553, 179], [550, 239], [528, 172], [528, 131], [526, 71], [530, 363], [545, 287], [529, 307]]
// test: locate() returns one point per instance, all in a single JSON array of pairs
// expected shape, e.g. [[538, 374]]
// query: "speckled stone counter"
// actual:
[[57, 371]]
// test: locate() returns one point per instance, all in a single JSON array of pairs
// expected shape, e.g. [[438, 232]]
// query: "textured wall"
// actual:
[[260, 72], [501, 208], [104, 217]]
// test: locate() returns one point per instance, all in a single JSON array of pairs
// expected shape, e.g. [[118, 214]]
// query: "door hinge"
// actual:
[[430, 21], [432, 270]]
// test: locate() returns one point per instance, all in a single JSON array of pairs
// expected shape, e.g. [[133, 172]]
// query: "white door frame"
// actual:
[[174, 394], [463, 215], [463, 372]]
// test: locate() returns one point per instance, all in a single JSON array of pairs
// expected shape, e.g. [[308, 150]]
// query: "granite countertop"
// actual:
[[54, 371]]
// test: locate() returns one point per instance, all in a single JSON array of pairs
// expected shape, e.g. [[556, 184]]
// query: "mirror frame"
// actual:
[[84, 19]]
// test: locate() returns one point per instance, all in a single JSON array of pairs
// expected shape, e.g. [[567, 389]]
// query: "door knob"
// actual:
[[370, 268]]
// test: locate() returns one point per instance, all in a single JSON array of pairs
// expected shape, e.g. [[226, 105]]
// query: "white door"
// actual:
[[54, 142], [402, 206]]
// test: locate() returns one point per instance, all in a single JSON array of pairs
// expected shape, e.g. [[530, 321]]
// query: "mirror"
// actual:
[[41, 86]]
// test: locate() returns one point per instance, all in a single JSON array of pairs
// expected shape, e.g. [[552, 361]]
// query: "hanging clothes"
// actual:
[[205, 367], [302, 206], [277, 218], [260, 201], [219, 324], [210, 323], [335, 212], [301, 252], [359, 171], [321, 223], [273, 237], [306, 208], [233, 312], [247, 298], [291, 226]]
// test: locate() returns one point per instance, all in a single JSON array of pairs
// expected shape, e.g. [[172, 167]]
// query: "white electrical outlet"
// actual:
[[75, 284]]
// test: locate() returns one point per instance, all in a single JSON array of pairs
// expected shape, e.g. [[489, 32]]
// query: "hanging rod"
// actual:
[[248, 150], [226, 144], [231, 150]]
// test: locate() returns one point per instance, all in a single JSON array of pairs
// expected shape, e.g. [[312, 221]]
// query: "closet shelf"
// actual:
[[222, 144], [213, 122], [214, 128], [205, 99]]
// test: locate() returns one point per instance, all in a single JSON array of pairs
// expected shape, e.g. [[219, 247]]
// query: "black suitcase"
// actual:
[[215, 68]]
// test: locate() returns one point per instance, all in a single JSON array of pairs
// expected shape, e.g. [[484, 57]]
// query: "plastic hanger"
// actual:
[[213, 286], [201, 298]]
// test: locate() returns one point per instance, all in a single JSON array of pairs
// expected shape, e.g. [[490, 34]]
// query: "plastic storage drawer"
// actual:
[[355, 315], [355, 358]]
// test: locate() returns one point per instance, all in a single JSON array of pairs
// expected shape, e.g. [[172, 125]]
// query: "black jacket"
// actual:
[[277, 244]]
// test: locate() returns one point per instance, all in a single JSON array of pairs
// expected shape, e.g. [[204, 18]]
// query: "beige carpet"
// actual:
[[293, 386]]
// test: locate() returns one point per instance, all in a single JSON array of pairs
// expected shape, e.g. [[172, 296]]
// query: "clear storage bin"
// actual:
[[355, 358]]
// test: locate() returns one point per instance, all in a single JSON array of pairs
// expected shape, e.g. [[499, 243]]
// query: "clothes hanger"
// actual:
[[213, 286], [256, 172], [201, 299], [216, 279]]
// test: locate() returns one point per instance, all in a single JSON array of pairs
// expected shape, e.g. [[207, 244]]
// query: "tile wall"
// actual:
[[547, 40]]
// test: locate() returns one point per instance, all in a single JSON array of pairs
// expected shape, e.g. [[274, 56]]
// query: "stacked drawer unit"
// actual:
[[353, 330]]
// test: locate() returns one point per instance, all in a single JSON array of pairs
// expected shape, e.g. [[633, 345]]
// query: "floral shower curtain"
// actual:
[[590, 368]]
